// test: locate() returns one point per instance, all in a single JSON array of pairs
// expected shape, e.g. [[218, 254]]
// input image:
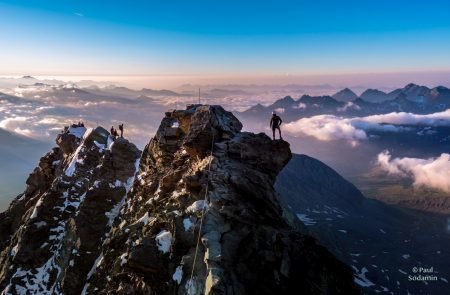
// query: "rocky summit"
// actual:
[[195, 213], [52, 233]]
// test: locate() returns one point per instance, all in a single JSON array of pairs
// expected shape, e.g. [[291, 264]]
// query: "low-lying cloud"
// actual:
[[402, 118], [349, 105], [331, 127], [326, 128], [431, 172]]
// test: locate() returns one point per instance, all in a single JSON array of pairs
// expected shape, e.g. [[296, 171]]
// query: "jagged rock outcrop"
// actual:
[[52, 233], [201, 217], [246, 247]]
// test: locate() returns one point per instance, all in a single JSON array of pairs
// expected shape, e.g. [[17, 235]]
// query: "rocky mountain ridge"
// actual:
[[52, 233], [195, 213]]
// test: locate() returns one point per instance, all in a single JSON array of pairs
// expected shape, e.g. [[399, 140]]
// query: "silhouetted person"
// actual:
[[275, 123], [115, 134], [113, 131], [121, 130]]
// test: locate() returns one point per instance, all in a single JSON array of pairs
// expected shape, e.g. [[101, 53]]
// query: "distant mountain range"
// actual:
[[412, 98], [130, 93], [411, 92]]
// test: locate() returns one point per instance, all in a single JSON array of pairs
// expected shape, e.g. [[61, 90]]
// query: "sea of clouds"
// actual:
[[42, 117]]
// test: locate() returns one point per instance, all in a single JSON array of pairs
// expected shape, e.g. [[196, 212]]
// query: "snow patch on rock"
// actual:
[[77, 131], [178, 274], [360, 277], [38, 204], [305, 219], [123, 259], [197, 206], [164, 241], [187, 223]]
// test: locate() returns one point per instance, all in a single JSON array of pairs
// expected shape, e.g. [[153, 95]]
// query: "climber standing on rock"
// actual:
[[113, 133], [275, 123], [121, 130]]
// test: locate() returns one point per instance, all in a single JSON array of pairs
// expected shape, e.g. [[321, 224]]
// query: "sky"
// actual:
[[172, 42]]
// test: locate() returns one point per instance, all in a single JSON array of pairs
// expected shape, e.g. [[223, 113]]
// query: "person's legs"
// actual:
[[279, 131], [273, 133]]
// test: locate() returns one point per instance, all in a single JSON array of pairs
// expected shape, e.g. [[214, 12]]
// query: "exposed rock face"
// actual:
[[51, 235], [246, 247], [198, 165]]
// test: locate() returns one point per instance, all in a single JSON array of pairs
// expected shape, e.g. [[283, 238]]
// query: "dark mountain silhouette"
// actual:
[[345, 95], [124, 92], [382, 243], [374, 96], [412, 92], [162, 92], [284, 103]]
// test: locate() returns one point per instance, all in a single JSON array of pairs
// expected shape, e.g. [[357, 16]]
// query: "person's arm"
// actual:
[[271, 122], [281, 121]]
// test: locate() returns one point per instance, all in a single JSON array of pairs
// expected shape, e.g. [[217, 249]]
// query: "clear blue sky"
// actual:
[[223, 37]]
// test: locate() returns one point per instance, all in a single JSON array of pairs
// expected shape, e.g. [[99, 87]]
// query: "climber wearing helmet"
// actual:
[[275, 123]]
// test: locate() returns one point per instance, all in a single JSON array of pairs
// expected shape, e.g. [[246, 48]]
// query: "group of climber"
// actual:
[[114, 133], [79, 124], [74, 125]]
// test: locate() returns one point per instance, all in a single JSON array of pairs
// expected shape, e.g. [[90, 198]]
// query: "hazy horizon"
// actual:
[[381, 81]]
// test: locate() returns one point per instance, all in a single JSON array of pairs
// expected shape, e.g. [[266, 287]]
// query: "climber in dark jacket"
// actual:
[[275, 123], [113, 132], [121, 130]]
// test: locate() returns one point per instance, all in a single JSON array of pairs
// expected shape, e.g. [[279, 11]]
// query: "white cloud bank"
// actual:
[[331, 127], [326, 128], [432, 172], [435, 119]]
